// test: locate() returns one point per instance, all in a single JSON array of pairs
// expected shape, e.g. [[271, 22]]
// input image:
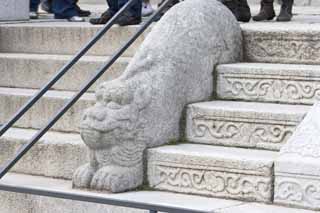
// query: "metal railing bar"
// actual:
[[26, 147], [153, 208], [63, 70]]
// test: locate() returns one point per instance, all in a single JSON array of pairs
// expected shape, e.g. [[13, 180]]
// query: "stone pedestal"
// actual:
[[11, 10]]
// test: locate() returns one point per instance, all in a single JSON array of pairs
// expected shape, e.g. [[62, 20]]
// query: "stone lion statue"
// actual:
[[143, 107]]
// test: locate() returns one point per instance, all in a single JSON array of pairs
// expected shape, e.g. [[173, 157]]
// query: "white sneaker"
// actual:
[[76, 19], [33, 15], [147, 9]]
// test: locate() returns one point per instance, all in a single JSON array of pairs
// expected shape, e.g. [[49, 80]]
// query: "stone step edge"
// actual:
[[214, 171], [263, 82], [190, 202], [55, 155]]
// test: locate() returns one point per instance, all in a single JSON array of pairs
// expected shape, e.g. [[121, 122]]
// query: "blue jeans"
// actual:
[[134, 10], [64, 9], [34, 5]]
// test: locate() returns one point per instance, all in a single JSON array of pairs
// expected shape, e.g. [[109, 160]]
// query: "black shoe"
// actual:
[[286, 11], [244, 11], [127, 19], [82, 13], [266, 11], [46, 5], [104, 18]]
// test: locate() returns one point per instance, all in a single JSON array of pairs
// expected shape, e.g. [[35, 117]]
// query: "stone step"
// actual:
[[261, 82], [56, 155], [279, 42], [63, 38], [243, 124], [34, 70], [226, 172], [11, 99], [24, 203]]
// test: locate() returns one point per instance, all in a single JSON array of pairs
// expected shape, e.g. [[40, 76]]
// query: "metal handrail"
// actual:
[[26, 147], [153, 208], [63, 70]]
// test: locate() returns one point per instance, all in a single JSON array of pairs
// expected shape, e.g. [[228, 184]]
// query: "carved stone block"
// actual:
[[242, 124], [282, 43], [14, 10], [269, 82], [297, 170], [144, 106], [212, 171]]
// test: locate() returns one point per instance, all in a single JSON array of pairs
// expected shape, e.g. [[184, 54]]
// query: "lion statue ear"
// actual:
[[142, 96]]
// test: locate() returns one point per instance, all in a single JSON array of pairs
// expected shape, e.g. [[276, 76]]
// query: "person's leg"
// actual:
[[46, 5], [266, 11], [244, 11], [286, 11], [34, 5], [65, 9]]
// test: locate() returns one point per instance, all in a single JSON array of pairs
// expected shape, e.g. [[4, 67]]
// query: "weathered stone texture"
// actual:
[[212, 171], [14, 10], [296, 43], [242, 124], [143, 107], [285, 83], [297, 171]]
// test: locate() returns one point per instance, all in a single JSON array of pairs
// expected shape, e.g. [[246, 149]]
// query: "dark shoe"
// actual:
[[82, 13], [266, 11], [127, 19], [286, 11], [46, 5], [233, 6], [104, 18], [244, 11]]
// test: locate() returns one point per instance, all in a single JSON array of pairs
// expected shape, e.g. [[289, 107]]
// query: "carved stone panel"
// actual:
[[282, 43], [285, 88], [266, 130], [297, 171], [212, 171], [14, 10]]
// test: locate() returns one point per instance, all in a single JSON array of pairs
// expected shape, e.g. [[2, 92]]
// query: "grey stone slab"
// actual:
[[55, 155], [34, 70], [263, 82], [11, 203], [212, 171], [261, 208], [271, 42], [14, 10], [11, 99], [297, 170], [63, 38], [243, 124]]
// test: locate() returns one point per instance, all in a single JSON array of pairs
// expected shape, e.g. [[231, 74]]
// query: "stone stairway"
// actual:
[[232, 141]]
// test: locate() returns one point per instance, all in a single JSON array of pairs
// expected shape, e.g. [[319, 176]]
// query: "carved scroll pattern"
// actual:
[[271, 89], [280, 47], [240, 133], [298, 191], [214, 182]]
